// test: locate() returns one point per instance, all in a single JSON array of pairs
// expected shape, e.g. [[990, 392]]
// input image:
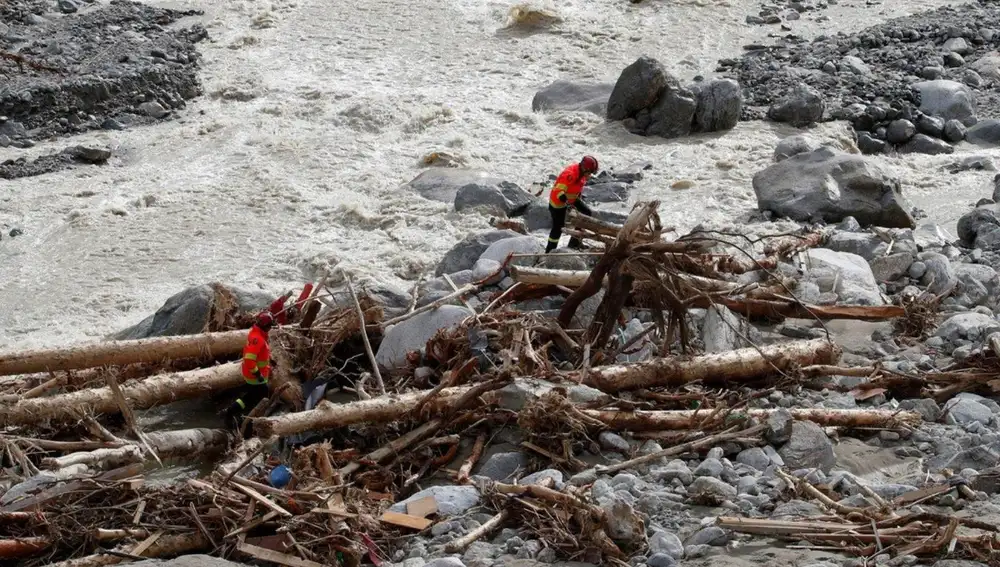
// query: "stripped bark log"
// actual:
[[157, 349], [737, 365], [15, 548], [164, 546], [165, 443], [153, 391], [687, 419], [376, 410]]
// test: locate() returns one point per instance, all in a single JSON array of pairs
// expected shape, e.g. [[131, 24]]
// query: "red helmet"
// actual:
[[589, 164], [264, 320]]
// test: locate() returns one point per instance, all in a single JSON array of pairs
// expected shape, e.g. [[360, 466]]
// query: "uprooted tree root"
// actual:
[[920, 318]]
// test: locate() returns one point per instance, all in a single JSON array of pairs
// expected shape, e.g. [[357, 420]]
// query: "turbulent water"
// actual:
[[316, 111]]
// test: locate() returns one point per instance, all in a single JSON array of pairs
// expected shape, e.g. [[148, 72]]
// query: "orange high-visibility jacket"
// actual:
[[256, 357], [569, 183]]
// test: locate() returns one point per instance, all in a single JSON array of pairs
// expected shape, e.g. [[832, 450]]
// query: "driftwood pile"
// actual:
[[415, 427]]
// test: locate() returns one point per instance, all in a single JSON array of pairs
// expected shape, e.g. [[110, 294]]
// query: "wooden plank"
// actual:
[[276, 557], [262, 499], [422, 508], [145, 544], [406, 521]]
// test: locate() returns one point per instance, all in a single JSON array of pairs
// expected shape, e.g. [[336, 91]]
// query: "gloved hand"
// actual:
[[562, 198]]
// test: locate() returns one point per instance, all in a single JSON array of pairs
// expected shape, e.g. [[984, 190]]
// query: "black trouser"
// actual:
[[559, 220], [248, 396]]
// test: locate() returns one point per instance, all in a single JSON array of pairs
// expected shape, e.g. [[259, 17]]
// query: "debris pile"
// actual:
[[637, 382]]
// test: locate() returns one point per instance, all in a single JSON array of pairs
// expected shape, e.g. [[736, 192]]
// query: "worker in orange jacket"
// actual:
[[256, 368], [568, 192]]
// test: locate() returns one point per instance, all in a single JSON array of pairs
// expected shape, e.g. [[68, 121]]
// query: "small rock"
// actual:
[[924, 144], [613, 442], [709, 467], [503, 466], [153, 109], [900, 131], [754, 457], [68, 6], [676, 469], [801, 107], [661, 560], [954, 131], [779, 427], [711, 535], [964, 411], [808, 447], [710, 490], [666, 543]]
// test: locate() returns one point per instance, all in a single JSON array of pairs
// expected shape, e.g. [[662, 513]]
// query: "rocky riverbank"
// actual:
[[72, 67]]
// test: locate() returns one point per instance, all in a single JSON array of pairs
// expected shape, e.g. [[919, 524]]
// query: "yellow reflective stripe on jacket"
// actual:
[[250, 356], [255, 381], [263, 364]]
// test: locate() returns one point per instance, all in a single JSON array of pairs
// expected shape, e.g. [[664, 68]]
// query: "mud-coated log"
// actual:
[[22, 547], [687, 419], [156, 349], [327, 415], [201, 442], [156, 390], [733, 366]]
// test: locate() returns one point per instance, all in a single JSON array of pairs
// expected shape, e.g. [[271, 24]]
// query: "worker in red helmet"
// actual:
[[256, 368], [567, 192]]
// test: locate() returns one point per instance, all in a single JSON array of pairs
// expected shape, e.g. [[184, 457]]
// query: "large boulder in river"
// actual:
[[503, 198], [463, 255], [830, 185], [637, 88], [573, 96], [719, 105], [651, 102], [444, 184], [947, 99], [187, 312], [984, 133], [413, 334]]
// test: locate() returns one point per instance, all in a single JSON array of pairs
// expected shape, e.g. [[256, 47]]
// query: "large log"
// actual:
[[166, 444], [688, 419], [153, 391], [327, 415], [733, 366], [157, 349], [163, 546]]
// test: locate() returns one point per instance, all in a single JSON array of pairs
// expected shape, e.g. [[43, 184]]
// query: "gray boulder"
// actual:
[[970, 326], [504, 198], [984, 133], [987, 66], [638, 87], [573, 96], [719, 105], [924, 144], [451, 500], [892, 267], [978, 284], [975, 221], [413, 334], [443, 184], [965, 411], [710, 489], [900, 131], [668, 543], [955, 131], [673, 114], [608, 192], [463, 255], [503, 466], [853, 280], [723, 330], [808, 448], [940, 277], [947, 99], [801, 107], [831, 185], [865, 244], [795, 145], [187, 313]]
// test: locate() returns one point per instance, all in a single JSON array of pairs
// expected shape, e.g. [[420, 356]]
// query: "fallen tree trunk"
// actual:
[[576, 278], [153, 391], [116, 353], [165, 443], [687, 419], [376, 410], [781, 309], [737, 365], [164, 546]]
